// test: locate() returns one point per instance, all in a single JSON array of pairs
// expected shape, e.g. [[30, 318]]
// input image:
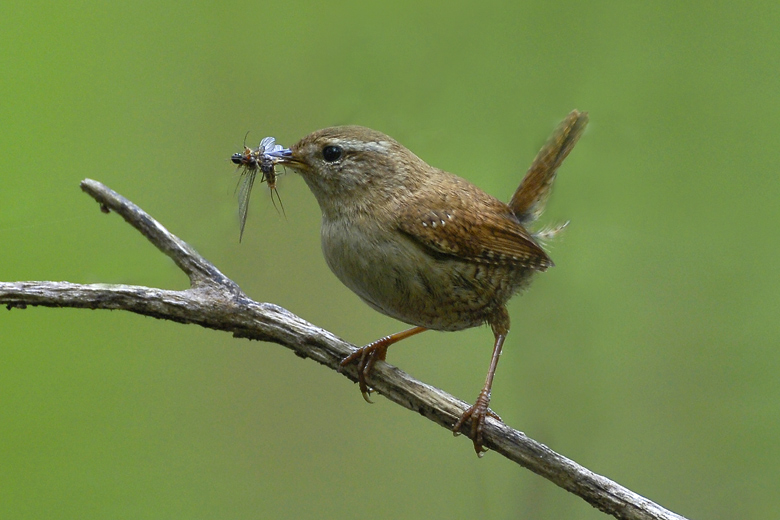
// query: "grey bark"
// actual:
[[216, 302]]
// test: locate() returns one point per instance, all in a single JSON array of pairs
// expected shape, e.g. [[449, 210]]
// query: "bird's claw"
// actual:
[[366, 357], [476, 414]]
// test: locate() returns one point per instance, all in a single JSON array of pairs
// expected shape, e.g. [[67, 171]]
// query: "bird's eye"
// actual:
[[332, 153]]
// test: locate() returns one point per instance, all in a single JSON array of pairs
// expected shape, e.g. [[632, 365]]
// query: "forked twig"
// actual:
[[216, 302]]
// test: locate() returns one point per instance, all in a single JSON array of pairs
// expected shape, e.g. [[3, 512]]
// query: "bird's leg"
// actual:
[[367, 356], [479, 410]]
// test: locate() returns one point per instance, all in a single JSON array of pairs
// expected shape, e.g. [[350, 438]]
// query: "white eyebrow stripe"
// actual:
[[362, 146]]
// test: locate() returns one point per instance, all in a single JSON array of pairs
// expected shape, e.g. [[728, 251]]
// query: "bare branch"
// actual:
[[198, 269], [216, 302]]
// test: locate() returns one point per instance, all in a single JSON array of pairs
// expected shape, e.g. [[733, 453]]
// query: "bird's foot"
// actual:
[[476, 414], [366, 357]]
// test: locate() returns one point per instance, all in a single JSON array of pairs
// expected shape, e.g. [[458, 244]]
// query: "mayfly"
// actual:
[[264, 159]]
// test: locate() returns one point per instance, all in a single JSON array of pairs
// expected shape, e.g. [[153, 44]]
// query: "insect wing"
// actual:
[[245, 190]]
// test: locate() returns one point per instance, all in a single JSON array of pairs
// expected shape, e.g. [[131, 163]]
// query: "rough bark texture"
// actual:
[[216, 302]]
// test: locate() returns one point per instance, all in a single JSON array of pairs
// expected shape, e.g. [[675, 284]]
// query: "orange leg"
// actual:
[[367, 356], [480, 410]]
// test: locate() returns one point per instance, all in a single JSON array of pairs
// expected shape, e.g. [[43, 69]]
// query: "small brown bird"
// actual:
[[422, 245]]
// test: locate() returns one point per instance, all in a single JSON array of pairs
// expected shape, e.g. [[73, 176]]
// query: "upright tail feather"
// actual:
[[531, 196]]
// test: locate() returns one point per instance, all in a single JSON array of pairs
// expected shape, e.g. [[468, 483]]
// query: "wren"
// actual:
[[422, 245]]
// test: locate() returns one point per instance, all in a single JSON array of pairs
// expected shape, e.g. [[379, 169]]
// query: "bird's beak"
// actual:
[[289, 159]]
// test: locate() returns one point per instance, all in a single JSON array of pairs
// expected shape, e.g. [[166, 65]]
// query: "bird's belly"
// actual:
[[402, 280]]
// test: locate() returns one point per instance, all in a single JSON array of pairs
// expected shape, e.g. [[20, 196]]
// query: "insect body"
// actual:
[[250, 161]]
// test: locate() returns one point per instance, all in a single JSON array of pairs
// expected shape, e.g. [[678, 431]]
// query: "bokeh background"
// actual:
[[648, 354]]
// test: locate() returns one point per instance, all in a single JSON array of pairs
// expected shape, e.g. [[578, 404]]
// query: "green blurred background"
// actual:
[[648, 354]]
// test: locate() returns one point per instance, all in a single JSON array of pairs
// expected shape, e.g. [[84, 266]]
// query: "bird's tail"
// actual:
[[531, 196]]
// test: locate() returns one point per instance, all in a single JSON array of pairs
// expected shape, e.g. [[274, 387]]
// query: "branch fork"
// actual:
[[216, 302]]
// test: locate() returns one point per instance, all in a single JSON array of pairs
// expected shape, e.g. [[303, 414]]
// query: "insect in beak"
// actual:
[[264, 159]]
